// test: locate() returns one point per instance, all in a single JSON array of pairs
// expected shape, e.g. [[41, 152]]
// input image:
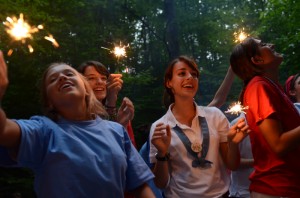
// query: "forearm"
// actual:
[[161, 172], [232, 155], [223, 91], [143, 191], [288, 141]]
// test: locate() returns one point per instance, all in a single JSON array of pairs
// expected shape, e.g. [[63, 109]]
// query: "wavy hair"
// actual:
[[93, 106]]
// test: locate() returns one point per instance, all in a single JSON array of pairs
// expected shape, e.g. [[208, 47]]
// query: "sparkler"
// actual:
[[237, 108], [20, 30], [118, 51], [240, 36]]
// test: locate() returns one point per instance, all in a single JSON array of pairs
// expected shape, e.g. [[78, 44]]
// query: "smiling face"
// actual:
[[97, 82], [184, 82], [63, 86]]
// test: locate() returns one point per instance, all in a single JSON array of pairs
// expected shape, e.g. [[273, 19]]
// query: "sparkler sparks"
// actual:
[[118, 51], [237, 108], [240, 36], [52, 40], [20, 30]]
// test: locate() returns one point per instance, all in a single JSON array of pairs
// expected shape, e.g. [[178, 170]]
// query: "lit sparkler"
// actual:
[[240, 36], [118, 51], [237, 108], [20, 30]]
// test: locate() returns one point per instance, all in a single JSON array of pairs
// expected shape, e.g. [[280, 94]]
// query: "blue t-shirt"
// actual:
[[80, 159]]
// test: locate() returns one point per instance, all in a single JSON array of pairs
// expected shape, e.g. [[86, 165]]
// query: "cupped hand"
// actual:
[[125, 112], [161, 138]]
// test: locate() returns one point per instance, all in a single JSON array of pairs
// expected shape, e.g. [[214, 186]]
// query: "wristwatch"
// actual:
[[165, 158]]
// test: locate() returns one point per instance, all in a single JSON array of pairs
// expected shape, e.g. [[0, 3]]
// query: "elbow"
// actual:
[[279, 151]]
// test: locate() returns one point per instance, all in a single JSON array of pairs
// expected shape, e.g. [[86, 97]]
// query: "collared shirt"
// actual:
[[185, 180]]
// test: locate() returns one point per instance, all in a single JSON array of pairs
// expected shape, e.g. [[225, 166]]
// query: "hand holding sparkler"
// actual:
[[238, 131], [114, 85]]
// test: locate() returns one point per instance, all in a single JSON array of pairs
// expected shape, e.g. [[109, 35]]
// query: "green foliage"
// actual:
[[89, 30]]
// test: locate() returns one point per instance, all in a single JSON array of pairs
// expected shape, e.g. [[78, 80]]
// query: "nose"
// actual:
[[189, 75], [62, 77]]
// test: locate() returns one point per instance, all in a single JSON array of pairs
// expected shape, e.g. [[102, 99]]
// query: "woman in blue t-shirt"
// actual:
[[72, 150]]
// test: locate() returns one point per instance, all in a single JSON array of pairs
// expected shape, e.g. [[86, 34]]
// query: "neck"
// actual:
[[272, 75], [184, 112], [75, 113]]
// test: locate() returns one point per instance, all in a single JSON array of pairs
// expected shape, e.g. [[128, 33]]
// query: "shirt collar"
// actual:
[[171, 120]]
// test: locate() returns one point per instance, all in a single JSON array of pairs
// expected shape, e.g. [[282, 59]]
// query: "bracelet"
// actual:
[[110, 107], [163, 159]]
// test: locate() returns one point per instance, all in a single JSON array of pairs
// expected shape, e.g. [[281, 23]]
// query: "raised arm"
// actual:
[[222, 93], [9, 131]]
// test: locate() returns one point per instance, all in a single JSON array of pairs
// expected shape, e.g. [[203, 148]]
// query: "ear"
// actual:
[[257, 60], [292, 92], [168, 84]]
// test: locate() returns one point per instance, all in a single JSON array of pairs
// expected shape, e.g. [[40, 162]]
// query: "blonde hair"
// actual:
[[93, 106]]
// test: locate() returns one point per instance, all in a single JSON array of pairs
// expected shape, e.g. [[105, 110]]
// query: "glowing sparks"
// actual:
[[9, 53], [30, 48], [118, 51], [240, 36], [236, 108], [52, 40], [19, 29]]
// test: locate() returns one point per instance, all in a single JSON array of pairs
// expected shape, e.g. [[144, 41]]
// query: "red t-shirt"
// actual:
[[272, 175], [130, 133]]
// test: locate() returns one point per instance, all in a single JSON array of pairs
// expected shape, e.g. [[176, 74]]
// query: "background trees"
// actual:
[[156, 32]]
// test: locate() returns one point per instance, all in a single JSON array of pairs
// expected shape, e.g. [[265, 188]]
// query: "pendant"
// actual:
[[196, 147]]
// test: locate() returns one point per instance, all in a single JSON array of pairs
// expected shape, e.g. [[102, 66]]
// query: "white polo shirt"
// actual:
[[185, 180]]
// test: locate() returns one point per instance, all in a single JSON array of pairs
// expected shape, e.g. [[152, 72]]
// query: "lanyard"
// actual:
[[198, 161]]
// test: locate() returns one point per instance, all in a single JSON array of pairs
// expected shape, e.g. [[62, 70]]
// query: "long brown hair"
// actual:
[[92, 104], [168, 97], [241, 63]]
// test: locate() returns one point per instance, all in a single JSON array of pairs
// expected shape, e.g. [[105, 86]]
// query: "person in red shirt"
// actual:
[[272, 118]]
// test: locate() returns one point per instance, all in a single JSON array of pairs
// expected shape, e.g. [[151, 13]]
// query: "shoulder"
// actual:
[[205, 111], [213, 115]]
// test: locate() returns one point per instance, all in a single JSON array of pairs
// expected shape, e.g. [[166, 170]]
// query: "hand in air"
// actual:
[[161, 138], [125, 112]]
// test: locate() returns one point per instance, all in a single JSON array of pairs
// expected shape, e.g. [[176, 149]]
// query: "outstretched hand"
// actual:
[[161, 138], [238, 131], [3, 76]]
